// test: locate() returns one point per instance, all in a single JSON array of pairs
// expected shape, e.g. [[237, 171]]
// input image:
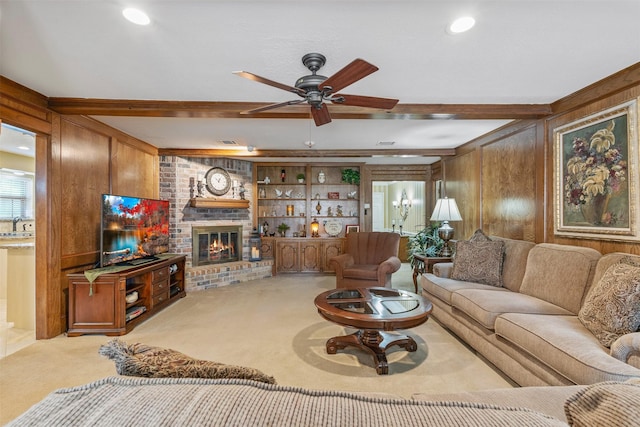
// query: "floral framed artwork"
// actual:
[[353, 229], [596, 176]]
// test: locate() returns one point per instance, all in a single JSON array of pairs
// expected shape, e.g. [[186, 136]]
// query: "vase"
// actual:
[[594, 211]]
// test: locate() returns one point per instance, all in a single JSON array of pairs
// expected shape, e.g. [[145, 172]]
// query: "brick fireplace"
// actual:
[[175, 175], [216, 244]]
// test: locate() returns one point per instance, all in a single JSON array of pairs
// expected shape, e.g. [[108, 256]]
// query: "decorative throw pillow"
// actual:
[[479, 262], [140, 360], [612, 306], [604, 404], [479, 236]]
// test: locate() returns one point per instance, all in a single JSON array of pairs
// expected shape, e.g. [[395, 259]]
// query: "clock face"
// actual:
[[217, 181]]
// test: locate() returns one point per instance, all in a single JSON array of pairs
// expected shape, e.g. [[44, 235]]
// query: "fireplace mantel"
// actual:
[[212, 203]]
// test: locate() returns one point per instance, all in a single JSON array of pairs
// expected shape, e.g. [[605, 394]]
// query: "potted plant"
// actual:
[[300, 178], [351, 176], [282, 229], [425, 242]]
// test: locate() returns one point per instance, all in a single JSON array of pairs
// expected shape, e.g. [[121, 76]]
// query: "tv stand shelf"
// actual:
[[101, 307]]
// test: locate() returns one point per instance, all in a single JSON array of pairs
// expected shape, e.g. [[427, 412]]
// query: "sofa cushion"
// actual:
[[443, 288], [564, 345], [612, 306], [559, 274], [515, 261], [485, 306], [479, 261], [605, 404]]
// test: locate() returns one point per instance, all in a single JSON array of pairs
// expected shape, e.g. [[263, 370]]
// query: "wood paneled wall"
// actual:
[[503, 181], [77, 160]]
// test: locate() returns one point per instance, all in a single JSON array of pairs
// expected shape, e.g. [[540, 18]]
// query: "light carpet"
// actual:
[[271, 325]]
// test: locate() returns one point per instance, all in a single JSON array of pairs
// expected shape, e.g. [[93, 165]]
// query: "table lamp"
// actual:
[[446, 210]]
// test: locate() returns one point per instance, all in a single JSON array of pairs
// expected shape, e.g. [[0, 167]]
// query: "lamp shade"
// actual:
[[446, 210]]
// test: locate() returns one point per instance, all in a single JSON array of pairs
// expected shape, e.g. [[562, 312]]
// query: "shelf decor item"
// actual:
[[282, 229], [300, 177], [333, 227], [315, 226], [321, 177], [289, 210], [318, 207], [351, 176], [333, 195], [217, 181]]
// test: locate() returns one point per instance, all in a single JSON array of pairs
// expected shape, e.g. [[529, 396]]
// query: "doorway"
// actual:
[[17, 239]]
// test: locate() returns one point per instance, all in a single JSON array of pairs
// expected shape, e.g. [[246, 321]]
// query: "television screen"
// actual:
[[133, 229]]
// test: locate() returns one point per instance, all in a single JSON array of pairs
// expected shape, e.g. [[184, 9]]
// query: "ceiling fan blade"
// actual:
[[259, 79], [272, 106], [356, 70], [365, 101], [321, 115]]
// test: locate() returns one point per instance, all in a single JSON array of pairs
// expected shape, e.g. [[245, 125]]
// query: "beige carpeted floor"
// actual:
[[271, 325]]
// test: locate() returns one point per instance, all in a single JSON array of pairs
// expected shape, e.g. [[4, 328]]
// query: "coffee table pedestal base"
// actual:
[[375, 342]]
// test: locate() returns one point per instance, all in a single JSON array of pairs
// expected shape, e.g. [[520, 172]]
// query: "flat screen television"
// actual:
[[133, 229]]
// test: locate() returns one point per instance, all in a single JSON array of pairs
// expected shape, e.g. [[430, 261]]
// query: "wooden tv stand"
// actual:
[[102, 308]]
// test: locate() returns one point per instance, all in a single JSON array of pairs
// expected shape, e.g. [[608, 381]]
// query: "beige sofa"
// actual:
[[529, 327]]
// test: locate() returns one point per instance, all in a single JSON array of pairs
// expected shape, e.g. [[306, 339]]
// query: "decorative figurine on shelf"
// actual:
[[192, 186], [318, 207], [321, 177], [283, 175], [317, 196], [265, 229], [288, 193], [241, 191], [352, 194], [278, 193], [267, 180], [339, 210], [329, 213], [262, 193], [200, 188]]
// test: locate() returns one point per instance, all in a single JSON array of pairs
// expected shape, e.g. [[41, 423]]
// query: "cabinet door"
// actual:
[[267, 249], [310, 256], [98, 309], [330, 249], [287, 259]]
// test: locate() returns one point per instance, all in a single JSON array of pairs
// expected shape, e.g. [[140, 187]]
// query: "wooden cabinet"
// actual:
[[281, 199], [101, 307], [300, 255]]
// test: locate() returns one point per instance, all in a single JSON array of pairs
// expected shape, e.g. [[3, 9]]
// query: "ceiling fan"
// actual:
[[316, 90]]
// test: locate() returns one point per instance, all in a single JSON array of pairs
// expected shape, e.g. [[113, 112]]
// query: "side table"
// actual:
[[424, 264]]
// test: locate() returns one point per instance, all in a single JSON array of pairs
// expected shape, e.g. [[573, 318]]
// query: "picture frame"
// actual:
[[596, 176], [352, 229]]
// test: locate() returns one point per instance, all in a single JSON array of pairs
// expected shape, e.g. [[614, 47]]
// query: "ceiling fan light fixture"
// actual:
[[461, 25], [136, 16]]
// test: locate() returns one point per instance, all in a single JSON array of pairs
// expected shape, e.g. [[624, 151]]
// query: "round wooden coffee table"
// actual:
[[375, 312]]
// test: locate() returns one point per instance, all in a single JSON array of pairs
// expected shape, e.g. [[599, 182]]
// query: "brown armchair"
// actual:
[[369, 260]]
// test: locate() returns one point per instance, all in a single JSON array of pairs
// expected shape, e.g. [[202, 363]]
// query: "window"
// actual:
[[16, 195]]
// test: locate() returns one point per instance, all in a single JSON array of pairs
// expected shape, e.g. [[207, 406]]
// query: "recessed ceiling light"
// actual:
[[386, 142], [461, 25], [22, 147], [136, 16]]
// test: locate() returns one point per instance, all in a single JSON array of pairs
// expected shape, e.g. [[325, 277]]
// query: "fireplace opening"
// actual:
[[216, 244]]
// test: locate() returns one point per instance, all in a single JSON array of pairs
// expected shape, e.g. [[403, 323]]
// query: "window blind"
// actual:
[[16, 195]]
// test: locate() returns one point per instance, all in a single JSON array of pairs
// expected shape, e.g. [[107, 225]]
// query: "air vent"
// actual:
[[386, 143], [226, 142]]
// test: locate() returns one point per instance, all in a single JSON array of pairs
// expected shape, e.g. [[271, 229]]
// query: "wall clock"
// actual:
[[217, 181]]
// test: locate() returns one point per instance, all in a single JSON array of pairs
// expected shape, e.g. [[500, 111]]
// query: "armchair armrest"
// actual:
[[627, 349], [389, 266], [340, 262]]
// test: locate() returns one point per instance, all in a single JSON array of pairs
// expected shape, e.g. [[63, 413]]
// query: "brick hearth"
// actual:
[[174, 186]]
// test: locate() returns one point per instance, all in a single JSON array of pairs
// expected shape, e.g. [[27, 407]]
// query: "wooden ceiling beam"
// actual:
[[205, 109], [242, 152]]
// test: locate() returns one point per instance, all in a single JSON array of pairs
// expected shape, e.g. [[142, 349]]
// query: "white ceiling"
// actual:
[[519, 52]]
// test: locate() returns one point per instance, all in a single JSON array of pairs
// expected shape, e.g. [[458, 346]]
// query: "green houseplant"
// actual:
[[282, 229], [425, 242], [351, 176], [300, 177]]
